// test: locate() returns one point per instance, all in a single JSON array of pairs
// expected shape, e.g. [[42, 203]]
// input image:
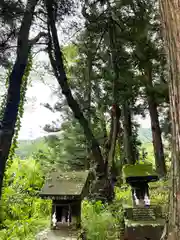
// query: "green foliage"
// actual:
[[26, 148], [68, 149], [101, 221], [23, 229], [159, 194], [26, 213], [98, 221], [123, 194], [105, 65]]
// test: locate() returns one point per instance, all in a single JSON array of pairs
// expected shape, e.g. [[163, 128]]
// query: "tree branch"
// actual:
[[37, 38]]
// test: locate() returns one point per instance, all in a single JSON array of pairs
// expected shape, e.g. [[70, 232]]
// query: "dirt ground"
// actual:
[[61, 235], [57, 235]]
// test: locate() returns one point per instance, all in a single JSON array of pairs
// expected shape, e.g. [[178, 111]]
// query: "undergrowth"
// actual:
[[103, 222], [23, 214]]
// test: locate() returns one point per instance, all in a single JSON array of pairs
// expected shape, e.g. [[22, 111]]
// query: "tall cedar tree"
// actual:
[[147, 56], [170, 16], [103, 185], [56, 60]]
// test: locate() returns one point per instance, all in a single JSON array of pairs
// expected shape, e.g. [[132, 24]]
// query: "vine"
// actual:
[[20, 108], [14, 144]]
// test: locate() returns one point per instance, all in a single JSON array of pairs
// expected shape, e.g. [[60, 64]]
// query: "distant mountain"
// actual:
[[28, 147]]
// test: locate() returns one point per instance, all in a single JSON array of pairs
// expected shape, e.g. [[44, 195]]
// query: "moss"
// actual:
[[127, 206], [138, 170], [65, 183]]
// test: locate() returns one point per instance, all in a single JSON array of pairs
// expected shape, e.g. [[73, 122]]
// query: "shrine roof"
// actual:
[[142, 171], [65, 183]]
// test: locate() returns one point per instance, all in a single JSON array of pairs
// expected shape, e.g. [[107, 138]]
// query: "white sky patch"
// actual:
[[144, 122], [35, 114]]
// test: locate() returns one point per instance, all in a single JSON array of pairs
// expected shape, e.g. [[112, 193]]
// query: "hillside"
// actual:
[[28, 147]]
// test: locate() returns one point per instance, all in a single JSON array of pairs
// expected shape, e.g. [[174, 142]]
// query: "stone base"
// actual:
[[143, 232]]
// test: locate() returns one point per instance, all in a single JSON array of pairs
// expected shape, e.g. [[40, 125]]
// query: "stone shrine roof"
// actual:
[[64, 184], [139, 172]]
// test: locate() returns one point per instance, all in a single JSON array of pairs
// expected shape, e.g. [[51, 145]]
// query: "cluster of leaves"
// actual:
[[99, 222], [68, 150], [22, 212]]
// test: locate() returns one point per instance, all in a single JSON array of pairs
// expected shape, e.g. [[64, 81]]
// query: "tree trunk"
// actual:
[[155, 125], [88, 95], [89, 85], [114, 135], [115, 113], [13, 95], [55, 56], [121, 140], [129, 153], [170, 16]]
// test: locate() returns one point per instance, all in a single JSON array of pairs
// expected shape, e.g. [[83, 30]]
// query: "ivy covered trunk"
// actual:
[[88, 94], [13, 96], [170, 17]]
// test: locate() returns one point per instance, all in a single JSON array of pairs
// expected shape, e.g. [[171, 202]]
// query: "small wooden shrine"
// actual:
[[142, 220], [66, 190]]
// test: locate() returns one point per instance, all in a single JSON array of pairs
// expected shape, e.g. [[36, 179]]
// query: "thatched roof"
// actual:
[[65, 184]]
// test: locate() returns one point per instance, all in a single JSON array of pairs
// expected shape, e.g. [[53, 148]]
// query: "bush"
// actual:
[[22, 229], [98, 221], [103, 222], [123, 194], [23, 214]]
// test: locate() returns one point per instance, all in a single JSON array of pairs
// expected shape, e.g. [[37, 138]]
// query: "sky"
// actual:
[[36, 115], [40, 91]]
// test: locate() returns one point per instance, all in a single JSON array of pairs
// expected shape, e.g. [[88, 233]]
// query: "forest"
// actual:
[[112, 61]]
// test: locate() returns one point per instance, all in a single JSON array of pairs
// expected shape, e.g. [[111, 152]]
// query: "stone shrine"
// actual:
[[142, 220], [66, 190]]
